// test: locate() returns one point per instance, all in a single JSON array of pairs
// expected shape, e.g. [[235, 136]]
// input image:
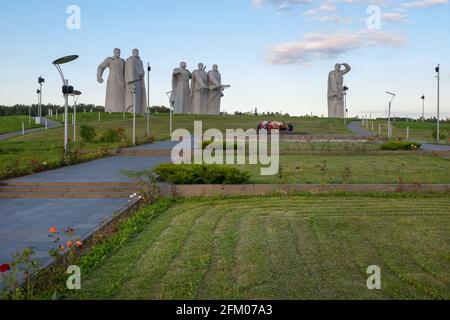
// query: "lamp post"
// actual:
[[76, 95], [149, 69], [170, 112], [66, 90], [423, 108], [389, 113], [40, 82], [345, 104], [438, 135]]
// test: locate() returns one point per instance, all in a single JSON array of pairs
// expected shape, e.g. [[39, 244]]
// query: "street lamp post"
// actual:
[[76, 95], [66, 90], [345, 104], [149, 69], [40, 82], [423, 108], [438, 135], [389, 113]]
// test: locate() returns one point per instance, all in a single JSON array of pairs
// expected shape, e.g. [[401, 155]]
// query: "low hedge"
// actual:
[[201, 174], [400, 145]]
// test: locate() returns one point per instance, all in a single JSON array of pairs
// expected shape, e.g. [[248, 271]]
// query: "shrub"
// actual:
[[113, 136], [201, 174], [400, 145], [87, 133]]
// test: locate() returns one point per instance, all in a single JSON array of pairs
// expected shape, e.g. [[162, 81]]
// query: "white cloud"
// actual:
[[395, 17], [320, 46], [424, 3]]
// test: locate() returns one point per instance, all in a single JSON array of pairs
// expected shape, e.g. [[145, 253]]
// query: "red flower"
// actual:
[[4, 268], [53, 230], [79, 244]]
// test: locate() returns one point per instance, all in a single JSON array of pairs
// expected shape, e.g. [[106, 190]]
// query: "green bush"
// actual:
[[206, 144], [442, 134], [400, 145], [113, 136], [201, 174], [87, 133]]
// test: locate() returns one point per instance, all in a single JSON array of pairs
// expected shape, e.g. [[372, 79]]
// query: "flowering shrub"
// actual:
[[67, 243]]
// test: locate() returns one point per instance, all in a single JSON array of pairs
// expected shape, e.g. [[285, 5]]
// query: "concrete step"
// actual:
[[65, 195], [67, 184], [27, 189], [67, 190]]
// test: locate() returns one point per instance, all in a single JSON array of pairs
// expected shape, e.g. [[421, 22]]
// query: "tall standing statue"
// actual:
[[134, 78], [216, 89], [115, 88], [180, 97], [336, 108], [199, 90]]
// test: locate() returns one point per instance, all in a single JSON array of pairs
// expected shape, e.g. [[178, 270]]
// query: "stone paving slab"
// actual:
[[25, 222]]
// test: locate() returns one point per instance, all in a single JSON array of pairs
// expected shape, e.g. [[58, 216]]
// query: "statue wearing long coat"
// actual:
[[180, 98], [115, 89], [134, 74]]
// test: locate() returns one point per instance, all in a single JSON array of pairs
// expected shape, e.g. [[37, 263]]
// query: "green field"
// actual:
[[357, 169], [47, 147], [14, 123], [297, 247], [418, 131]]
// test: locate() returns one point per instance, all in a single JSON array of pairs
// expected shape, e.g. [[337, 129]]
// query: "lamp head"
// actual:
[[64, 60]]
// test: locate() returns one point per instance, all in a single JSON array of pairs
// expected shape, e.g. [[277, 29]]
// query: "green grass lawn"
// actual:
[[17, 154], [418, 131], [14, 123], [297, 247], [357, 169]]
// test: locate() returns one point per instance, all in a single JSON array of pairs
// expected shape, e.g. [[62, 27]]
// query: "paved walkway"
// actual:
[[357, 129], [25, 222], [50, 125]]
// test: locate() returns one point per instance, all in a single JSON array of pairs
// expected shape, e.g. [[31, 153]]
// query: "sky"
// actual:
[[276, 54]]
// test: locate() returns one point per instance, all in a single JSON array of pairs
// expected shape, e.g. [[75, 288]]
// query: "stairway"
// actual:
[[67, 190]]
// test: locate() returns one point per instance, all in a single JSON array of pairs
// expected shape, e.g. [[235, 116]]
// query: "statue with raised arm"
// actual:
[[336, 108], [180, 97], [115, 88], [135, 80], [216, 89], [199, 90]]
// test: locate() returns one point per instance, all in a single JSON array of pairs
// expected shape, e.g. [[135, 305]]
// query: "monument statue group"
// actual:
[[125, 78], [199, 92]]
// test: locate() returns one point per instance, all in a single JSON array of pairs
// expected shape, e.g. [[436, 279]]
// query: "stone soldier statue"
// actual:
[[216, 89], [199, 90], [134, 76], [180, 97], [336, 108], [115, 88]]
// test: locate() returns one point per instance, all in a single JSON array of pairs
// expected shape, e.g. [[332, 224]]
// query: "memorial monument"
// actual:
[[180, 96], [215, 92], [199, 91], [115, 88], [336, 108], [134, 78]]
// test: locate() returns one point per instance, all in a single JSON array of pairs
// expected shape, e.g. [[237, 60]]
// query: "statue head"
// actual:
[[136, 53], [201, 66], [116, 53], [215, 67], [337, 67], [183, 65]]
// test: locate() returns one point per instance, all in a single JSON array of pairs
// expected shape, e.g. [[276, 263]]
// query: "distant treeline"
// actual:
[[20, 109]]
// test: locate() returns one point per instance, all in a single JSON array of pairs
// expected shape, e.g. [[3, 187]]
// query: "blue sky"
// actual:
[[276, 54]]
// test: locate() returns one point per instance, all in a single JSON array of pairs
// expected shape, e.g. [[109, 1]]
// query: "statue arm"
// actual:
[[347, 68], [101, 68]]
